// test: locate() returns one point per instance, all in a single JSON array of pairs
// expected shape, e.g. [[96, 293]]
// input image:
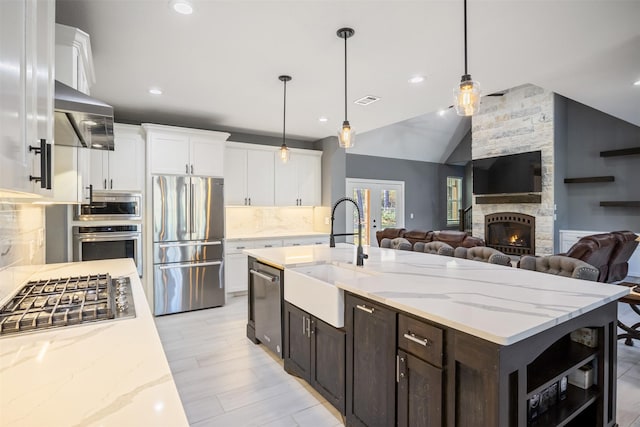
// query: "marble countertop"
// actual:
[[274, 235], [500, 304], [108, 373]]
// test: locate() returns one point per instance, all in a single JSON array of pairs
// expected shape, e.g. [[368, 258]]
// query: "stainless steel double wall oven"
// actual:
[[109, 227]]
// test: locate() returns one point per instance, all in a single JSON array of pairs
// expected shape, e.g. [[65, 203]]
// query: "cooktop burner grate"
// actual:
[[66, 301]]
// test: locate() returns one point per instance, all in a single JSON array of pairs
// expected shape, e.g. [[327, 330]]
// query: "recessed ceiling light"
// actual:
[[636, 83], [182, 6], [95, 145], [416, 79], [323, 119], [155, 91]]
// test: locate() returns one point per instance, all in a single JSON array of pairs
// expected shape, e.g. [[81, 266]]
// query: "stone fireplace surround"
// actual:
[[521, 120]]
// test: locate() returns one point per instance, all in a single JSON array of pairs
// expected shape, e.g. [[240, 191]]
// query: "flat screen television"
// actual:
[[514, 173]]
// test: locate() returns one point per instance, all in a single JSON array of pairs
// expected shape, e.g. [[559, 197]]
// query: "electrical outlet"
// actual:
[[327, 220], [411, 215]]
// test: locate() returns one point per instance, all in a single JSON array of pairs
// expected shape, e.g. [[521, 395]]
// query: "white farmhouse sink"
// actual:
[[313, 289]]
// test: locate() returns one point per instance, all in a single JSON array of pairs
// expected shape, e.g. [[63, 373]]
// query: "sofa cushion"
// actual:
[[453, 238]]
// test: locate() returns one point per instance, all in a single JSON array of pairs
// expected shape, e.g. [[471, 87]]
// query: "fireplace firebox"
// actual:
[[511, 233]]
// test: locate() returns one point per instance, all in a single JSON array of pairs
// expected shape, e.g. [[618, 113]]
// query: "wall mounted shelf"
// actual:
[[589, 179], [510, 198], [624, 152], [630, 204]]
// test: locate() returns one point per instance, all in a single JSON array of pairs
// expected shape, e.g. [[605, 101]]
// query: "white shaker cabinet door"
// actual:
[[126, 162], [169, 154], [286, 181], [260, 177], [207, 156], [309, 176], [98, 169], [235, 176]]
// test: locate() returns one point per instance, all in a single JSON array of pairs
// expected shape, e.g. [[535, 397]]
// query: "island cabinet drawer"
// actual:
[[421, 339]]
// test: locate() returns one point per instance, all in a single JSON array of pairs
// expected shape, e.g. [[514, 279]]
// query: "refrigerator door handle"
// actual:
[[190, 264], [191, 209], [176, 245]]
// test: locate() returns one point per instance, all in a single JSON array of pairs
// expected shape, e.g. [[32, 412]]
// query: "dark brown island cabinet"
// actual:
[[407, 371], [315, 352]]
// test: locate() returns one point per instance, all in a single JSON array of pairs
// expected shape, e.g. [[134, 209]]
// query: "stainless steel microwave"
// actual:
[[111, 206]]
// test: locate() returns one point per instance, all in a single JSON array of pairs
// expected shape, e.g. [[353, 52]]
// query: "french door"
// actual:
[[381, 205]]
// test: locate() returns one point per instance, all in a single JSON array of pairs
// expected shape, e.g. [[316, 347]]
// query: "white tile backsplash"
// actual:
[[21, 235]]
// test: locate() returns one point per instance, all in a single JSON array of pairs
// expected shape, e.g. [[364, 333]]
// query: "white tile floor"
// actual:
[[225, 380]]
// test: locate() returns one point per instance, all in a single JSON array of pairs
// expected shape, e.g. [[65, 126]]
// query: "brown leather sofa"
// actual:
[[453, 238], [608, 252]]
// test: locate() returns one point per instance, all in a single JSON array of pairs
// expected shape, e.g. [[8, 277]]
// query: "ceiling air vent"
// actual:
[[366, 100]]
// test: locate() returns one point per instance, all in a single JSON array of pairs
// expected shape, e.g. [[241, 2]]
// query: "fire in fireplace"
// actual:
[[510, 233]]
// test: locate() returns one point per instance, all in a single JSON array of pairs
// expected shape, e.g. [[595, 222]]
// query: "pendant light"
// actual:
[[346, 135], [284, 151], [467, 94]]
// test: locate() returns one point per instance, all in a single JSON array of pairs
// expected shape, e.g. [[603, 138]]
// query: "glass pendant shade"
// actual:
[[466, 97], [284, 153], [346, 135]]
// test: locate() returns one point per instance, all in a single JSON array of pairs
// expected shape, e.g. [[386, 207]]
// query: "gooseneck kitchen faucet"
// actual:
[[360, 255]]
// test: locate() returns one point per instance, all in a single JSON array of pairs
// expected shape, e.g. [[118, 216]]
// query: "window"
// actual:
[[454, 199]]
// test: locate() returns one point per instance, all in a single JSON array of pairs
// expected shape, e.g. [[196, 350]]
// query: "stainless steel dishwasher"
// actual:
[[266, 282]]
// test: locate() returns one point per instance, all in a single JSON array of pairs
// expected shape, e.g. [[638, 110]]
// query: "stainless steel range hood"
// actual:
[[82, 121]]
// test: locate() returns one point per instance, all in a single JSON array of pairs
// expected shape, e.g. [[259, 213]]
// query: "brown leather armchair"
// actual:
[[618, 265], [595, 250]]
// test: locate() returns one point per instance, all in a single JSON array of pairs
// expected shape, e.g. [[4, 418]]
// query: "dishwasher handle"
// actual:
[[265, 276]]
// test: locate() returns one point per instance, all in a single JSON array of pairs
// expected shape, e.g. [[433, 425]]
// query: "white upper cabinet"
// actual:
[[249, 175], [74, 59], [123, 168], [26, 104], [183, 151], [298, 182]]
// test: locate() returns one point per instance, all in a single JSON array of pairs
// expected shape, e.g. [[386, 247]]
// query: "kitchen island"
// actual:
[[486, 340], [106, 373]]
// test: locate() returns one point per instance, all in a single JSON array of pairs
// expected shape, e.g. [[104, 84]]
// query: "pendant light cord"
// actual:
[[465, 37], [345, 77], [284, 115]]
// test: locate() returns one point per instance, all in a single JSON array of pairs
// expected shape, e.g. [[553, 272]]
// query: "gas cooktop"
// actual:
[[52, 303]]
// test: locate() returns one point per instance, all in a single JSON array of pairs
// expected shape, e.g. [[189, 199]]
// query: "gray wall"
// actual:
[[590, 131], [425, 186], [333, 178], [560, 189]]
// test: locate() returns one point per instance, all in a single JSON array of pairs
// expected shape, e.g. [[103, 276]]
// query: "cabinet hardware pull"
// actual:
[[422, 341], [111, 184], [240, 247], [249, 201], [186, 168], [304, 331], [264, 276], [44, 150], [397, 368], [104, 184], [308, 327], [192, 169], [365, 309]]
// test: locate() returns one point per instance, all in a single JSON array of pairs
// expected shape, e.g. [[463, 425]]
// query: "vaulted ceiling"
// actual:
[[219, 67]]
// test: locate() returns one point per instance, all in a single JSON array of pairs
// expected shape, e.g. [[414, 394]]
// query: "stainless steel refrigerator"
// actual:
[[188, 243]]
